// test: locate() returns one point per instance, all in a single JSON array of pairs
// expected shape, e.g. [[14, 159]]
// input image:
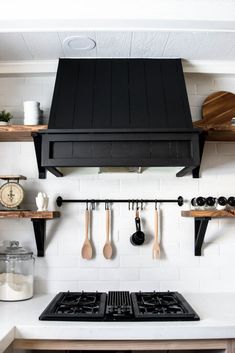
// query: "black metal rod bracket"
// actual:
[[60, 201], [37, 139], [55, 171], [200, 226], [42, 171], [202, 139], [39, 226], [184, 171]]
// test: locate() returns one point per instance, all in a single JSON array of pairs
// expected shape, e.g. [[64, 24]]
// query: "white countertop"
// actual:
[[216, 311]]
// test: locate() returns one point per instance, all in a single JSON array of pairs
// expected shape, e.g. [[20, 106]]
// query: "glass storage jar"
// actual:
[[16, 272]]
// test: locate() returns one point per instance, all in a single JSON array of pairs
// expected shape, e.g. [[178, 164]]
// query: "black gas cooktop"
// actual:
[[119, 306]]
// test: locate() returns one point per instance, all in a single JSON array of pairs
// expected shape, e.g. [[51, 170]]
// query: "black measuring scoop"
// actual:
[[138, 237]]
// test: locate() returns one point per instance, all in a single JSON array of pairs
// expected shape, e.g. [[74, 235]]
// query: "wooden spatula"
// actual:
[[156, 246]]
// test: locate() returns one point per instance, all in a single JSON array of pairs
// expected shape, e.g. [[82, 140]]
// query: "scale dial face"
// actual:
[[11, 195]]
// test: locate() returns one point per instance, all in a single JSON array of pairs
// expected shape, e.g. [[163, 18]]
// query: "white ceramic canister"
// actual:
[[32, 113]]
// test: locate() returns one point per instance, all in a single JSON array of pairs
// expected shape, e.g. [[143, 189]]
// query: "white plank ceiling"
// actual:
[[187, 45]]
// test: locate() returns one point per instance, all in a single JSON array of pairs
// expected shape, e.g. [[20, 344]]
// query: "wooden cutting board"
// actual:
[[218, 109]]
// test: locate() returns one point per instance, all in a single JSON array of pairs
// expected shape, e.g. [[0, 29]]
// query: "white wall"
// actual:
[[132, 268]]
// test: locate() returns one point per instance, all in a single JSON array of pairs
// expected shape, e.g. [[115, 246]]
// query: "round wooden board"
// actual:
[[218, 109]]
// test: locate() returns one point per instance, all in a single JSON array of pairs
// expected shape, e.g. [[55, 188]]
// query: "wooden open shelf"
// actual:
[[222, 134], [38, 219], [201, 220], [218, 132], [29, 214], [12, 133], [208, 213]]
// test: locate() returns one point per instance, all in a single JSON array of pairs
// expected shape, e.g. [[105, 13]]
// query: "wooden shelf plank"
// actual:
[[29, 214], [12, 133], [209, 213], [221, 135], [218, 132]]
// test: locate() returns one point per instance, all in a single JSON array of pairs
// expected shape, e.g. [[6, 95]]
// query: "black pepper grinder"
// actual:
[[231, 201], [210, 202], [221, 203], [201, 202]]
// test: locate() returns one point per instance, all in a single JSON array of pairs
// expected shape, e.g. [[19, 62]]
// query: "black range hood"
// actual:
[[119, 113]]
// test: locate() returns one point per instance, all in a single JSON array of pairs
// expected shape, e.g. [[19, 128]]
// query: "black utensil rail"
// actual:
[[138, 202]]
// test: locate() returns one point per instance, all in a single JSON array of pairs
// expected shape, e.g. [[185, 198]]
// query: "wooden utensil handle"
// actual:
[[137, 213], [156, 225], [87, 219], [107, 224]]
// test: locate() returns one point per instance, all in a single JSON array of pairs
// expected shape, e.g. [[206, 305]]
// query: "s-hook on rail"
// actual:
[[60, 201]]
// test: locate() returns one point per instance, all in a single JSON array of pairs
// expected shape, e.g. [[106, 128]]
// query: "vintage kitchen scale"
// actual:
[[11, 192]]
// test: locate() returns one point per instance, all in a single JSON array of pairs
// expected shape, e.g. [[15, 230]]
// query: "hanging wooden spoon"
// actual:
[[87, 248], [107, 250], [156, 246]]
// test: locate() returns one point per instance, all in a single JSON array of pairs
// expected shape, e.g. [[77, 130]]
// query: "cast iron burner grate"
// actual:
[[72, 306], [163, 306], [119, 306]]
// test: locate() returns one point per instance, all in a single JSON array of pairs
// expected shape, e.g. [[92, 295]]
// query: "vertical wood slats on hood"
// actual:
[[120, 94]]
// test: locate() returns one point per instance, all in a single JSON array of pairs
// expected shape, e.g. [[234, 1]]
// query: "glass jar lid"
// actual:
[[14, 250]]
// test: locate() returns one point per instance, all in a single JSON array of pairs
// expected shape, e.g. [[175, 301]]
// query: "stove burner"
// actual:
[[158, 304], [120, 306], [162, 306], [76, 304]]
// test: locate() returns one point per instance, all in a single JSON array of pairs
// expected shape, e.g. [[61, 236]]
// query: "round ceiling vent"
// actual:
[[79, 43]]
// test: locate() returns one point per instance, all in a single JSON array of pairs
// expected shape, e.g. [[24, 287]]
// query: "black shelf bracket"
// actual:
[[200, 224], [39, 226], [184, 171], [37, 139], [42, 171], [202, 139], [55, 171]]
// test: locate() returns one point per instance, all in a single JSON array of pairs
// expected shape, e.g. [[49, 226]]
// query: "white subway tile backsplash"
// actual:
[[158, 274], [66, 274], [226, 148], [211, 286], [10, 100], [134, 286], [101, 186], [64, 261], [131, 268], [102, 286], [123, 274], [201, 273], [44, 286], [196, 100], [209, 148], [182, 286], [204, 84], [224, 83]]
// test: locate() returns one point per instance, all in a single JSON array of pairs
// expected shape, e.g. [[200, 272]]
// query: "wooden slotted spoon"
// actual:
[[87, 248], [107, 250], [156, 246]]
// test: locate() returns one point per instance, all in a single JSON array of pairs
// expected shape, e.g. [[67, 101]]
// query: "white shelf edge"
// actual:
[[50, 67]]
